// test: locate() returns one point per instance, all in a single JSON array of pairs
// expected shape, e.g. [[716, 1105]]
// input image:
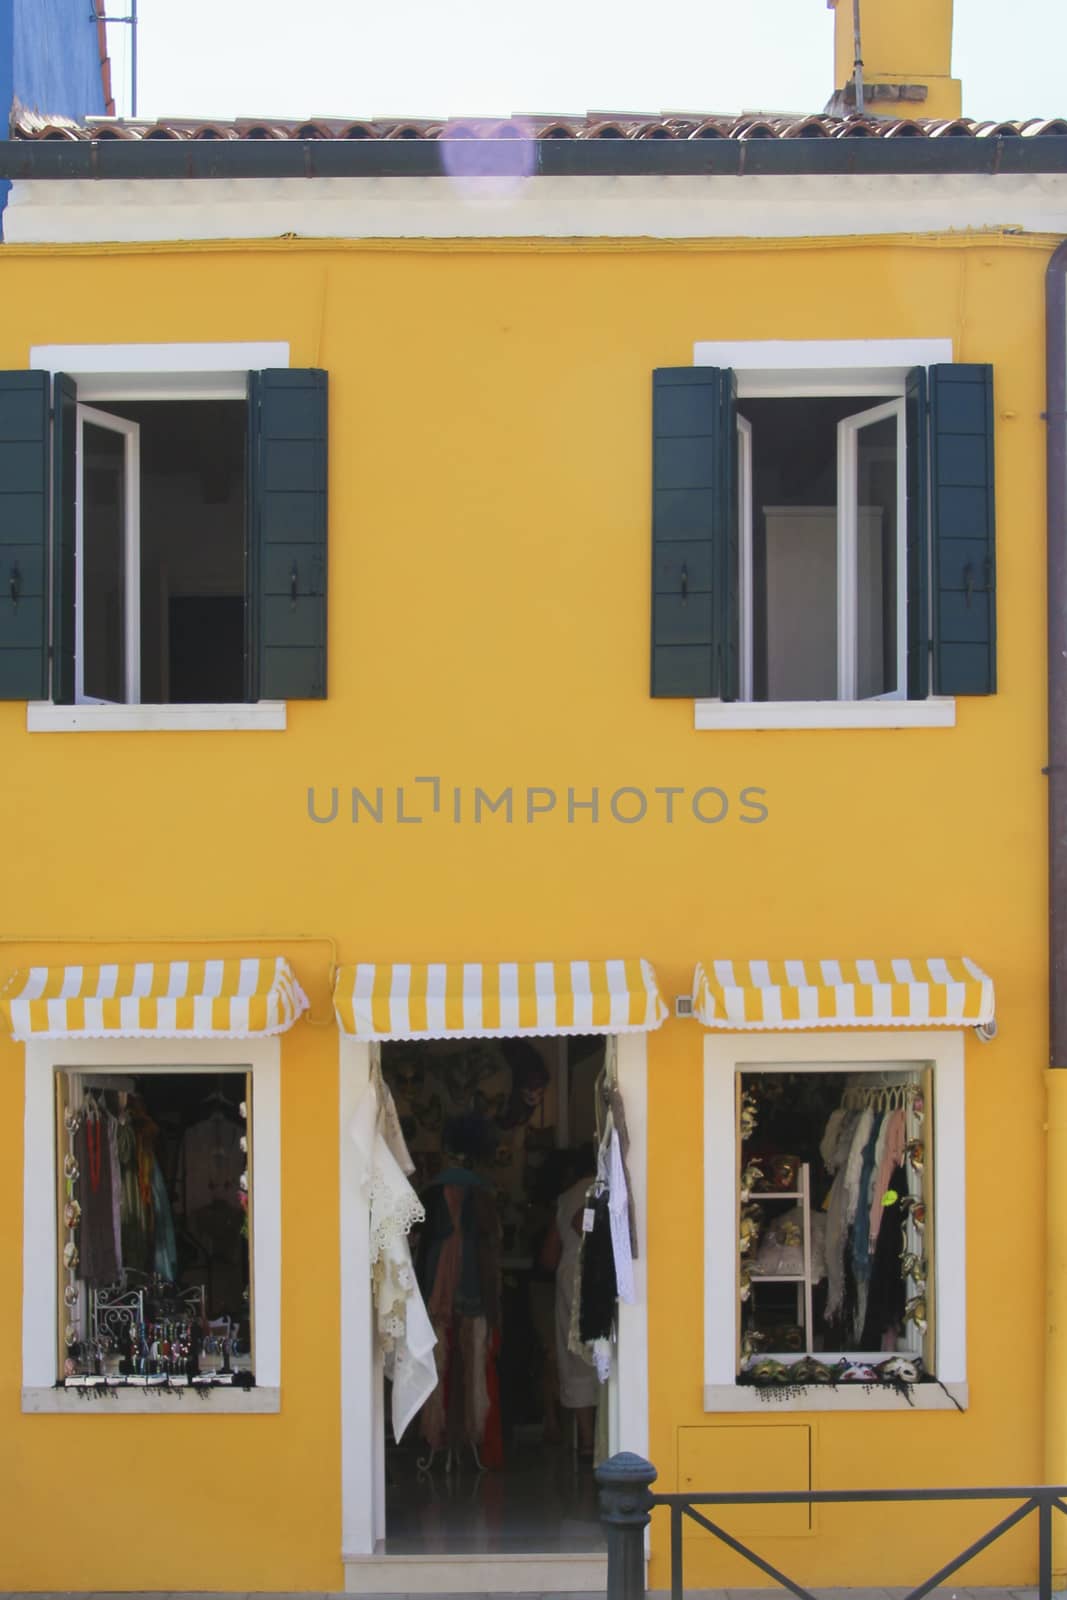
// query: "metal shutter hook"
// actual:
[[292, 587], [685, 585], [14, 584]]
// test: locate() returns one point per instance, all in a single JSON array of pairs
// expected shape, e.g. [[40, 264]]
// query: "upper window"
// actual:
[[162, 544], [826, 544]]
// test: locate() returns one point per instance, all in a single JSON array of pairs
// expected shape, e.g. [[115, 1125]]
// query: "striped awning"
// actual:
[[240, 999], [496, 1000], [932, 993]]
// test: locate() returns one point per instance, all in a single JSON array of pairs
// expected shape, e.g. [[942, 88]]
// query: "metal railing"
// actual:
[[627, 1503]]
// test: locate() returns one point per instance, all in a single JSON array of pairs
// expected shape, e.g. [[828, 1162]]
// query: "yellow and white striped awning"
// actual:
[[933, 993], [241, 999], [496, 1000]]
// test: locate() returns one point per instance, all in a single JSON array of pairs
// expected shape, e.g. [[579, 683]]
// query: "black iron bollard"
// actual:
[[625, 1509]]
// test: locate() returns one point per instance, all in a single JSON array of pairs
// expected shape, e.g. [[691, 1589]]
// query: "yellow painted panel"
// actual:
[[489, 497], [741, 1458]]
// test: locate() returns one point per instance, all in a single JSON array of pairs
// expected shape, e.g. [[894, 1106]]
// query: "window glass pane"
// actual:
[[834, 1180], [192, 462], [103, 563], [794, 545], [154, 1227], [876, 559]]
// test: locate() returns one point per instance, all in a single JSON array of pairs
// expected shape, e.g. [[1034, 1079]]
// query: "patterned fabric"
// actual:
[[239, 999], [482, 1000], [932, 993]]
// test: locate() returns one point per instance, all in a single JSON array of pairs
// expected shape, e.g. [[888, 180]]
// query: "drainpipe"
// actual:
[[1056, 1077], [857, 63]]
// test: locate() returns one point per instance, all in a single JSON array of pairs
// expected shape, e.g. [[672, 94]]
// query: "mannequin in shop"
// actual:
[[458, 1269], [578, 1385]]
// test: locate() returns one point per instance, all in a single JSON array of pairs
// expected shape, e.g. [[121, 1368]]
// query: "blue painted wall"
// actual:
[[49, 61], [56, 57]]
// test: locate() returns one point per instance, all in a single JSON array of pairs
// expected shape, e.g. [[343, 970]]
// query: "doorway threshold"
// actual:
[[558, 1572]]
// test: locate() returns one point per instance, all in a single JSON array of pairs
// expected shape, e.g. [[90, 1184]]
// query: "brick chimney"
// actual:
[[907, 58]]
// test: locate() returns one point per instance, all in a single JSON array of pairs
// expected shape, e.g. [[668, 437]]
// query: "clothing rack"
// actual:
[[879, 1097]]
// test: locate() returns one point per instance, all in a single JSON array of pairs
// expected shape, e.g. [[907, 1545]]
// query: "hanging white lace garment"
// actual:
[[619, 1212], [402, 1326]]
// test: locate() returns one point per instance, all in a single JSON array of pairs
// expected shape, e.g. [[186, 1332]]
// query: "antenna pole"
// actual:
[[857, 65], [133, 54]]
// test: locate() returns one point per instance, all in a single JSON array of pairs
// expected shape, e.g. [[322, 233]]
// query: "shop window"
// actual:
[[835, 1218], [154, 1229], [834, 1221]]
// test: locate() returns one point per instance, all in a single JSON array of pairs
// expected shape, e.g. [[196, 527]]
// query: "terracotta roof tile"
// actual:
[[594, 125]]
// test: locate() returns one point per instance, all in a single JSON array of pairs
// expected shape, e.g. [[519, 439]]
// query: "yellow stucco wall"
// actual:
[[903, 41], [489, 623]]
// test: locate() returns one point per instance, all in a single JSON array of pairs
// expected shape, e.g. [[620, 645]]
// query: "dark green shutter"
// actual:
[[23, 535], [694, 533], [64, 491], [962, 529], [918, 542], [287, 543]]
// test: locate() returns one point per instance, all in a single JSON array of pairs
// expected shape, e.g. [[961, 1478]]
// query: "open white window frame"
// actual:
[[40, 1244], [728, 1054], [799, 369], [112, 373], [130, 433]]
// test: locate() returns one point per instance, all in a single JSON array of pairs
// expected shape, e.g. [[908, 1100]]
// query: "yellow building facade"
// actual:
[[489, 344]]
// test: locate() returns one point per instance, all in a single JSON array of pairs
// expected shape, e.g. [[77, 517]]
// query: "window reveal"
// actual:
[[834, 1270], [155, 1229]]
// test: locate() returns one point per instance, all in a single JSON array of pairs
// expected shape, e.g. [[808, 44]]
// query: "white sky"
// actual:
[[351, 58]]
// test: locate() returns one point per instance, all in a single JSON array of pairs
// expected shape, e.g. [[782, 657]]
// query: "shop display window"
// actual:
[[154, 1229], [835, 1236]]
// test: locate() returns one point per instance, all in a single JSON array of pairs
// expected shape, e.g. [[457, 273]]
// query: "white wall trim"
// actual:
[[259, 716], [361, 1490], [118, 1402], [803, 206], [261, 1057], [729, 1397], [631, 1385], [362, 1417], [117, 372], [787, 368], [936, 712], [124, 359], [727, 1054]]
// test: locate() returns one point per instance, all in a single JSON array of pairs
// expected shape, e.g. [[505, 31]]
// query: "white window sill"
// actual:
[[937, 712], [263, 715], [152, 1402], [922, 1397]]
